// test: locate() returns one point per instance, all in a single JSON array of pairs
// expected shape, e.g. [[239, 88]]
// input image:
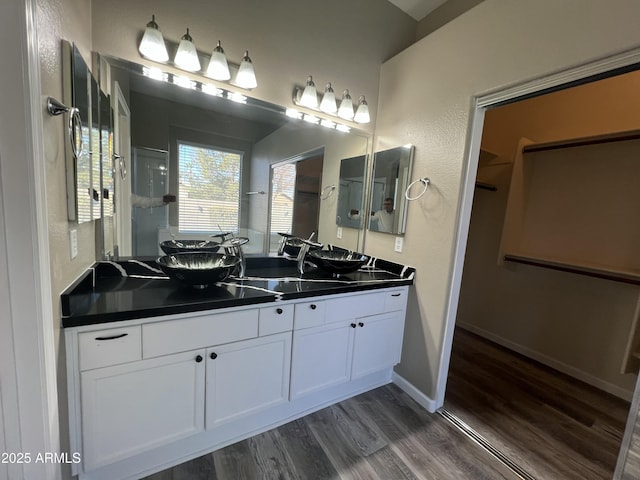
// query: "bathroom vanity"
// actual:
[[159, 373]]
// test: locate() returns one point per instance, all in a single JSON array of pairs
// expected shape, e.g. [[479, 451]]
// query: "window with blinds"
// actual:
[[209, 188], [282, 196]]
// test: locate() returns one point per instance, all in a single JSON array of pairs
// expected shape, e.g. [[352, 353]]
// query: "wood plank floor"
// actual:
[[379, 435], [553, 426]]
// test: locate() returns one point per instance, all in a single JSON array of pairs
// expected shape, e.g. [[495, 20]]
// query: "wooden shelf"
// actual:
[[616, 274]]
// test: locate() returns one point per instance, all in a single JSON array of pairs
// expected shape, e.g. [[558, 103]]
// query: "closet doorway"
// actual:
[[538, 349]]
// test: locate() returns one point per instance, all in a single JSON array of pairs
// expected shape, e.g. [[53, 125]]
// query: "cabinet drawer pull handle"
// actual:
[[113, 337], [313, 306], [279, 311], [353, 325], [213, 355], [360, 324], [395, 294], [198, 358]]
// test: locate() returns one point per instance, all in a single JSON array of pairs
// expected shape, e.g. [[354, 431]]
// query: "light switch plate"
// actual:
[[339, 232], [398, 245], [73, 241]]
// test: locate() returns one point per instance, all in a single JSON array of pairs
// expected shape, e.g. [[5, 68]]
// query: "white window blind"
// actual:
[[209, 189], [282, 193]]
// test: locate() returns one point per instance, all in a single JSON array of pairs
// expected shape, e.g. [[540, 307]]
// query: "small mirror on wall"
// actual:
[[391, 176], [351, 192]]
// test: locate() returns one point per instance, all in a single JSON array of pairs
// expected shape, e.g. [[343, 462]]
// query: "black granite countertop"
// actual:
[[137, 288]]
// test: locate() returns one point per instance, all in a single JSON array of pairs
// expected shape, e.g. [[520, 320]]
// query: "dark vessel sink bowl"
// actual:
[[292, 246], [198, 269], [183, 246], [337, 262]]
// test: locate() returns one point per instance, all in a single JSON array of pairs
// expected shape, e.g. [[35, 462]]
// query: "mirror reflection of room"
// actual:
[[391, 176], [165, 117], [351, 192], [295, 198]]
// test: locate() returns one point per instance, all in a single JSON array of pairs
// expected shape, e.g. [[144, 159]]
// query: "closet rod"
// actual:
[[580, 142]]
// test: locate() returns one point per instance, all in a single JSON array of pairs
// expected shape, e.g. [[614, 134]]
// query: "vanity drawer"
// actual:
[[102, 348], [175, 336], [309, 314], [275, 319], [395, 300], [355, 306]]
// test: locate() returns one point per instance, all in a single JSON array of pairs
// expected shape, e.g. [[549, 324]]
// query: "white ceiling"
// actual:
[[418, 9]]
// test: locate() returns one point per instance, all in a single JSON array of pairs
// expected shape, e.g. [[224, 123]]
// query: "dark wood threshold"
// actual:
[[588, 270]]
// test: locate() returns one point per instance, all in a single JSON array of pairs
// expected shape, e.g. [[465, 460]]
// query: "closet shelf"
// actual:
[[582, 268]]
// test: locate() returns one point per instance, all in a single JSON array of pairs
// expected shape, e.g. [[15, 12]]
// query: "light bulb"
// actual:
[[187, 56], [152, 44], [346, 106], [328, 104], [309, 97], [218, 68], [362, 113], [246, 77]]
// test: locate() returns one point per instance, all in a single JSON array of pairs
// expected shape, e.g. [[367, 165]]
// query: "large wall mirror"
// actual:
[[218, 150], [390, 179]]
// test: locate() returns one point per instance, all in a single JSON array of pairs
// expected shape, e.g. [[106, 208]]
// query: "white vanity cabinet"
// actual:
[[358, 335], [134, 407], [149, 393], [246, 377]]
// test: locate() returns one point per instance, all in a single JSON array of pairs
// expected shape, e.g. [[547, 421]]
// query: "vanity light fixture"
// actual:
[[346, 106], [152, 45], [362, 112], [246, 77], [218, 68], [187, 55], [328, 103], [309, 96]]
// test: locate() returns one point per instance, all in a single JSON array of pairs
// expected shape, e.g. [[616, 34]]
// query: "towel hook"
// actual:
[[425, 181], [55, 108], [324, 194]]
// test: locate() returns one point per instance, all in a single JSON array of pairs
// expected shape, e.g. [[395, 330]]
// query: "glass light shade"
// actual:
[[309, 97], [152, 45], [187, 56], [346, 106], [328, 103], [218, 68], [362, 112], [246, 77]]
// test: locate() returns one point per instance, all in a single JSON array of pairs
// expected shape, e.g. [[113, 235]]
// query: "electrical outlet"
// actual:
[[73, 241], [339, 232], [398, 245]]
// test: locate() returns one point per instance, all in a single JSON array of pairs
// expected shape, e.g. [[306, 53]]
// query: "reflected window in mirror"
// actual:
[[209, 189], [391, 176], [351, 192], [295, 197]]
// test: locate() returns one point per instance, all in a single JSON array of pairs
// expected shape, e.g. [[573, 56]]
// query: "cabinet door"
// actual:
[[246, 377], [127, 409], [378, 343], [321, 358]]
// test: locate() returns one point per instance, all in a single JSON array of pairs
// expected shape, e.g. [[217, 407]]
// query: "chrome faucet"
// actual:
[[233, 246], [304, 249]]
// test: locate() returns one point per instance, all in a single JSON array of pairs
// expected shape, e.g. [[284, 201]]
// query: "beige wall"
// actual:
[[58, 20], [339, 42], [426, 99]]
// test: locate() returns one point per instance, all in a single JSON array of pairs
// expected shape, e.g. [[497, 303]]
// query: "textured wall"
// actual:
[[426, 98], [340, 42]]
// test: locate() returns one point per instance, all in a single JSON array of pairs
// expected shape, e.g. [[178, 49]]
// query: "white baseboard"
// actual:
[[551, 362], [423, 400]]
